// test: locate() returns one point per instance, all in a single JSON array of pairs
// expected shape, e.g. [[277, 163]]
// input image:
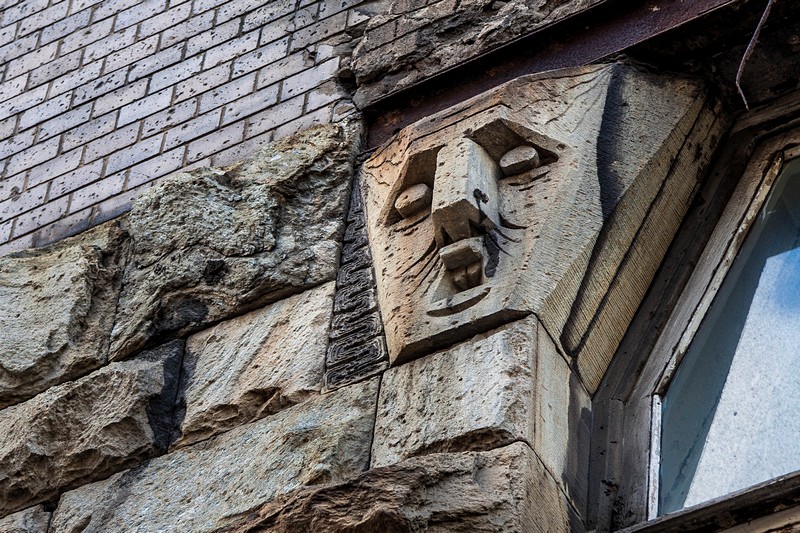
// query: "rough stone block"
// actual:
[[57, 306], [214, 243], [255, 365], [31, 520], [321, 441], [474, 396], [87, 429], [503, 490]]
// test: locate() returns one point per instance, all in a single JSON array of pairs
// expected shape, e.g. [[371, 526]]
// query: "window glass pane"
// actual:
[[731, 416]]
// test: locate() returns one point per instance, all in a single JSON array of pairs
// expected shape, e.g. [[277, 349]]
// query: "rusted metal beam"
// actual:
[[598, 32]]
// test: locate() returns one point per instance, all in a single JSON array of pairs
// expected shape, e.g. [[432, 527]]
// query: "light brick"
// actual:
[[119, 98], [13, 87], [156, 167], [155, 62], [208, 39], [226, 51], [169, 117], [15, 144], [100, 86], [65, 227], [128, 157], [322, 30], [268, 13], [23, 202], [107, 8], [54, 167], [8, 33], [55, 68], [176, 73], [76, 179], [86, 36], [96, 192], [18, 47], [43, 18], [145, 106], [116, 140], [20, 242], [320, 116], [167, 19], [260, 57], [184, 30], [22, 10], [5, 233], [65, 26], [91, 130], [138, 13], [11, 186], [276, 30], [323, 95], [252, 103], [64, 122], [275, 116], [283, 69], [235, 8], [7, 127], [108, 45], [240, 151], [192, 129], [33, 156], [203, 82], [225, 93], [48, 109], [215, 142], [117, 205], [205, 5], [329, 8], [131, 54], [32, 60], [87, 74], [309, 79]]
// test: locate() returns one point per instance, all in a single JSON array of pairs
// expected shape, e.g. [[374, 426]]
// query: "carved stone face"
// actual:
[[554, 195], [453, 216]]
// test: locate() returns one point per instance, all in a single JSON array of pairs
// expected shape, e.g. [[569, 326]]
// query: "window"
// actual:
[[729, 418], [703, 424]]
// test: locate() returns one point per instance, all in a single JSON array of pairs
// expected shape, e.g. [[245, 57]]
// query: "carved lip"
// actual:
[[459, 302]]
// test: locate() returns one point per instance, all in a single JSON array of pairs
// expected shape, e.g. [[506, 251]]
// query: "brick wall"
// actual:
[[100, 99]]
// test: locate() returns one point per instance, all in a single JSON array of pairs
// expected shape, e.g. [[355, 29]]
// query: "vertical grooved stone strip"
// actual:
[[357, 347]]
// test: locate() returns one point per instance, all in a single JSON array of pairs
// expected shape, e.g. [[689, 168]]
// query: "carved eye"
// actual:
[[413, 200], [520, 159]]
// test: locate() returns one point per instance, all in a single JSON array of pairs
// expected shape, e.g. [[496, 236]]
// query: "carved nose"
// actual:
[[464, 206], [464, 192]]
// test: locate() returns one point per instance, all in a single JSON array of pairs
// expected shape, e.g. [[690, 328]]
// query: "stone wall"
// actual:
[[99, 100]]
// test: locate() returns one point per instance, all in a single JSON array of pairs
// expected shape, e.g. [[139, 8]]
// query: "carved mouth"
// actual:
[[459, 302]]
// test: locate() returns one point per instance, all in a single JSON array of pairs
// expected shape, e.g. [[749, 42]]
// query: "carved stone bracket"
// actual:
[[357, 347]]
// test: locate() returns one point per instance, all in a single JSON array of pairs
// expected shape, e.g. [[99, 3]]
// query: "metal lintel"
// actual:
[[588, 36]]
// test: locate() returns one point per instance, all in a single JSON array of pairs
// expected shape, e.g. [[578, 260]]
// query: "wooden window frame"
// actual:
[[625, 441]]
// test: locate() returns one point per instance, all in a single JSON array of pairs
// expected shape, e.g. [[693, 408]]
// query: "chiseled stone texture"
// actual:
[[402, 48], [502, 490], [87, 429], [255, 365], [321, 441], [474, 396], [31, 520], [212, 243], [57, 308]]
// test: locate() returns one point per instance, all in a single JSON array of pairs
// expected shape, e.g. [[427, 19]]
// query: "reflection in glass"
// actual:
[[731, 416]]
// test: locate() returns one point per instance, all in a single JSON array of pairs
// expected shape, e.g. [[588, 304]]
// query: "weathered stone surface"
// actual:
[[255, 365], [503, 490], [320, 441], [215, 242], [574, 240], [475, 396], [32, 520], [402, 48], [57, 308], [87, 429]]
